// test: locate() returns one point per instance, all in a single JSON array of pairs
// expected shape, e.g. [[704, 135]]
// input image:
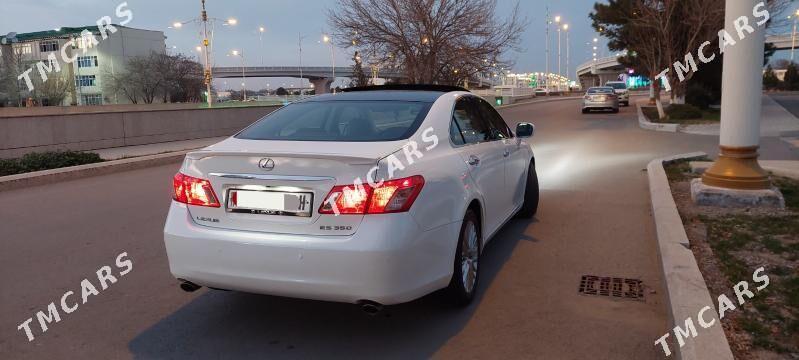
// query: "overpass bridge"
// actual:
[[781, 42], [594, 73], [320, 76]]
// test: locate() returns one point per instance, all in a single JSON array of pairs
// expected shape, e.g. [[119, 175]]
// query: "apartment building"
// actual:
[[94, 62]]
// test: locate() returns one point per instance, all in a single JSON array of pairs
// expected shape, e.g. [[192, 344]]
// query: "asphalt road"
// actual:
[[594, 219]]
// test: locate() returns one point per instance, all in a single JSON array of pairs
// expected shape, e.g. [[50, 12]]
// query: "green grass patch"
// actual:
[[683, 114], [772, 319], [680, 170], [46, 161], [790, 190]]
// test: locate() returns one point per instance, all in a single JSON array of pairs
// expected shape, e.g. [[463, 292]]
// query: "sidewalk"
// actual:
[[774, 121], [159, 148]]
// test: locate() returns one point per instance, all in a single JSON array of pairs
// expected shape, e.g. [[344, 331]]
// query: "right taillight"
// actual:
[[193, 191], [389, 197]]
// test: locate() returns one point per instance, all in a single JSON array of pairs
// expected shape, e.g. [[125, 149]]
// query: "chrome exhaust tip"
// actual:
[[370, 307], [188, 286]]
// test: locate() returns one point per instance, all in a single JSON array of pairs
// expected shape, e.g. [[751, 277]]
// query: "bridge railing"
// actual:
[[599, 63], [281, 68], [526, 91]]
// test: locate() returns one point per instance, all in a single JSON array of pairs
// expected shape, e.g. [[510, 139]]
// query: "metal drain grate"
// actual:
[[612, 287]]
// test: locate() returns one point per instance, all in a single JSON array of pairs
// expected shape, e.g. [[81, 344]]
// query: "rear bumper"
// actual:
[[610, 104], [388, 260]]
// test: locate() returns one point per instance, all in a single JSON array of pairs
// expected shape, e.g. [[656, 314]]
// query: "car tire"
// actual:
[[462, 288], [585, 111], [615, 111], [530, 205]]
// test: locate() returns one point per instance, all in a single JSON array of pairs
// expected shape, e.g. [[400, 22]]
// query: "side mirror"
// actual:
[[525, 130]]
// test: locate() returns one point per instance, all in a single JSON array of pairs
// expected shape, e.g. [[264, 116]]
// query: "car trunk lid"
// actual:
[[254, 178]]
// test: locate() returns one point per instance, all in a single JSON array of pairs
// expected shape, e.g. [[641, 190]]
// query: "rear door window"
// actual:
[[470, 123]]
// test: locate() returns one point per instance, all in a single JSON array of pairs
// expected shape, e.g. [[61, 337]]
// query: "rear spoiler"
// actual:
[[348, 159]]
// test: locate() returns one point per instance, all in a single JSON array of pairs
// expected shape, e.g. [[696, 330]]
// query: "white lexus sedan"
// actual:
[[374, 196]]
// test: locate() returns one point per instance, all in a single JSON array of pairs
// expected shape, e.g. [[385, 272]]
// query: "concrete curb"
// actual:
[[686, 291], [43, 177], [644, 123]]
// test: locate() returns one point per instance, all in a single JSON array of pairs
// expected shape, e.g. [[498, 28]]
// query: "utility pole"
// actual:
[[204, 16], [546, 74]]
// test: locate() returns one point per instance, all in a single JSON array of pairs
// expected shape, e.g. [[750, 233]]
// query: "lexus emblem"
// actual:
[[266, 164]]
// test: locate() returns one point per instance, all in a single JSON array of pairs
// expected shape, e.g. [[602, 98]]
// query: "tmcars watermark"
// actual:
[[105, 278], [724, 304], [742, 28], [87, 40], [394, 164]]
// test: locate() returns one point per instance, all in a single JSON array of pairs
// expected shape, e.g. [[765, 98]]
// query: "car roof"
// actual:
[[601, 88], [379, 95]]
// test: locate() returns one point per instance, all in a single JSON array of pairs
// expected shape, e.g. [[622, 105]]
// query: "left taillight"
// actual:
[[193, 191]]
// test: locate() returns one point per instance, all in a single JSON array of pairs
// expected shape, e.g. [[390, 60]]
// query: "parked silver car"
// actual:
[[600, 98]]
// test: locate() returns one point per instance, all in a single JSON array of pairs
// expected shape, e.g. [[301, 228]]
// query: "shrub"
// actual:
[[791, 81], [46, 160], [698, 96], [683, 112], [770, 80]]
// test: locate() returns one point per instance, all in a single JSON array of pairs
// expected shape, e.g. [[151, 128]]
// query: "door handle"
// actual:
[[473, 160], [506, 153]]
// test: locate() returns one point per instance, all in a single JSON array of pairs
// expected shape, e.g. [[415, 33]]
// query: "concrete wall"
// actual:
[[89, 131]]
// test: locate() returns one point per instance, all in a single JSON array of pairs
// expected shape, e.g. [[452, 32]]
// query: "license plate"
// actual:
[[270, 202]]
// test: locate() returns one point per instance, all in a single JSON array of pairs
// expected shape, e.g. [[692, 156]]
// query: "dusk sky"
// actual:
[[284, 21]]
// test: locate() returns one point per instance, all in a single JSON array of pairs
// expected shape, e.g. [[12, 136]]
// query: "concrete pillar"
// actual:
[[742, 87], [322, 85]]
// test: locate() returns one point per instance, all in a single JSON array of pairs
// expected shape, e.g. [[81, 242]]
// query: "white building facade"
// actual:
[[95, 62]]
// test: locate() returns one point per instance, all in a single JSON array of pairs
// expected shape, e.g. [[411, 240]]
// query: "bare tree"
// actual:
[[432, 41], [121, 83], [172, 78], [52, 91], [11, 65]]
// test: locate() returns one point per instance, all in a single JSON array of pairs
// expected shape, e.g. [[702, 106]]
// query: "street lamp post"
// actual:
[[546, 74], [566, 29], [327, 40], [793, 33], [204, 16], [243, 77], [299, 44], [557, 24], [204, 19], [261, 39], [595, 42]]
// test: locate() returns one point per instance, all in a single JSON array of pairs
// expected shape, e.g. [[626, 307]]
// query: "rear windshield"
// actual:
[[340, 121], [602, 90], [618, 86]]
